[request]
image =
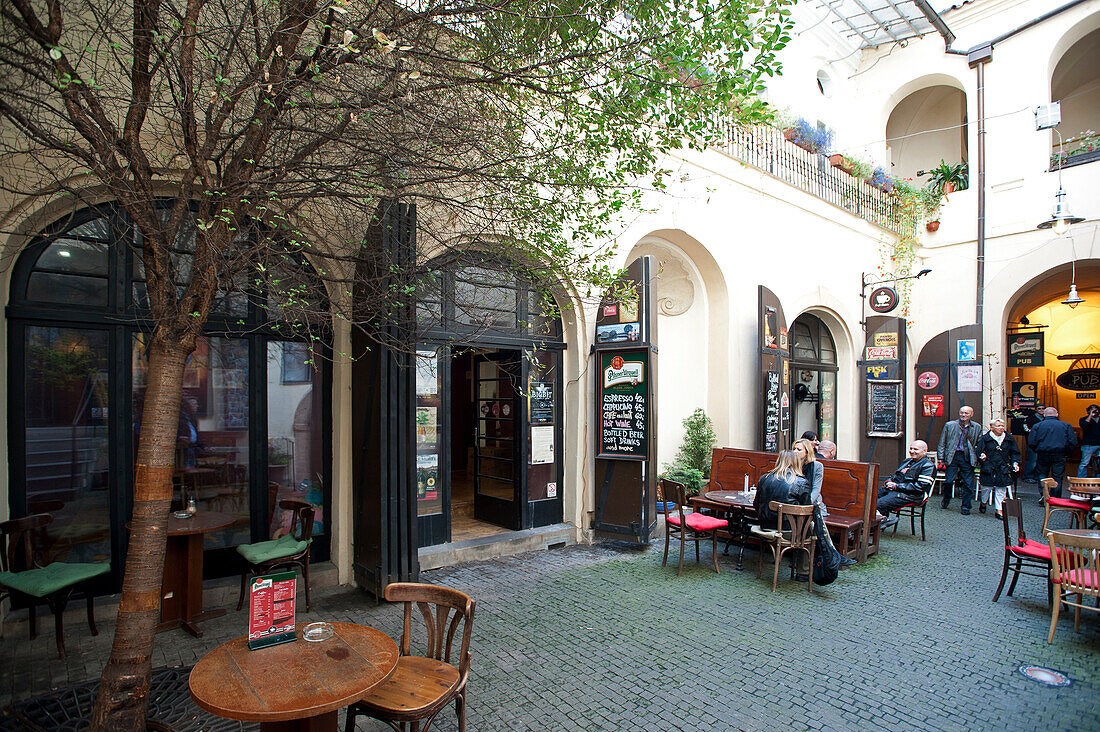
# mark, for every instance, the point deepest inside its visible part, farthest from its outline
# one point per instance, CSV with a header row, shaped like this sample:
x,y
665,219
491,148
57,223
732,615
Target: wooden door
x,y
775,380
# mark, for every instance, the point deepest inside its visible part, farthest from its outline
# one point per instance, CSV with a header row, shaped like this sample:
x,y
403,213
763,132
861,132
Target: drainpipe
x,y
977,59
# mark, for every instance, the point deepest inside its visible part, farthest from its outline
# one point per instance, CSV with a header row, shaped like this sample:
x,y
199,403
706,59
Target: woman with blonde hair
x,y
784,484
814,473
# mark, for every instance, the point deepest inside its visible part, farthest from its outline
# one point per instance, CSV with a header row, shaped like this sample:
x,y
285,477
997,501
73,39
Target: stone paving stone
x,y
604,638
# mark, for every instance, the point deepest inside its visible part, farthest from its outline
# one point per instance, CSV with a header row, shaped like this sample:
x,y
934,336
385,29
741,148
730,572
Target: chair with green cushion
x,y
291,550
52,583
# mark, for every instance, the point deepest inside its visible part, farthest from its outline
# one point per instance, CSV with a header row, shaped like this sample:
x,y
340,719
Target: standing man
x,y
1034,417
1090,438
1052,439
957,453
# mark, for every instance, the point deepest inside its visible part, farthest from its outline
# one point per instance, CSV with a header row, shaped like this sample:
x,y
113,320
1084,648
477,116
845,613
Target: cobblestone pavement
x,y
605,638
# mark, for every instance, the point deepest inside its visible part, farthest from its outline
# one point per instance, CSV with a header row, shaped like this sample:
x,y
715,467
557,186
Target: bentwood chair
x,y
913,510
53,583
799,537
1078,510
1075,569
687,527
1022,556
423,685
291,550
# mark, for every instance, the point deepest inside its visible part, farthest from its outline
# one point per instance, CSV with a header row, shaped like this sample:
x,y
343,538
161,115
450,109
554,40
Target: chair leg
x,y
1015,577
775,574
922,521
760,561
305,573
244,588
1050,593
714,549
33,613
349,724
460,711
680,570
1004,574
58,608
1054,618
665,560
913,521
1077,614
91,614
895,533
696,548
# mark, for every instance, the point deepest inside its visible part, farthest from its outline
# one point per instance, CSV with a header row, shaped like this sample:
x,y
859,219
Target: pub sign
x,y
1025,350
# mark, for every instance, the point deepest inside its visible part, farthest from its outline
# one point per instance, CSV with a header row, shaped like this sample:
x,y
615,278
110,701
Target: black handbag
x,y
826,558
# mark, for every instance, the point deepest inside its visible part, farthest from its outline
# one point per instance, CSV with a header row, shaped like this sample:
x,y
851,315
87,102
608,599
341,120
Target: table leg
x,y
181,599
320,723
743,529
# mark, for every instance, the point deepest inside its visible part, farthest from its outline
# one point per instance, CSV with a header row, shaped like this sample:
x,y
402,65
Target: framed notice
x,y
540,404
969,378
271,609
1025,350
622,400
884,409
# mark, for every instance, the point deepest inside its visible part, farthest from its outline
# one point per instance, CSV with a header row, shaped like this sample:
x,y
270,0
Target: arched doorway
x,y
926,127
488,403
1046,340
813,386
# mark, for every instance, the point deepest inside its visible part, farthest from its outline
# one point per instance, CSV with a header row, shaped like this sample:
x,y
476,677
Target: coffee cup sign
x,y
884,299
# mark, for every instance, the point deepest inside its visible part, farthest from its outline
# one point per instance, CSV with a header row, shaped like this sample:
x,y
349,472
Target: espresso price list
x,y
623,428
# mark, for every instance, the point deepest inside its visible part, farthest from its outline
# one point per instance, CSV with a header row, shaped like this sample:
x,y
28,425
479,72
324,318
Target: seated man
x,y
909,483
826,450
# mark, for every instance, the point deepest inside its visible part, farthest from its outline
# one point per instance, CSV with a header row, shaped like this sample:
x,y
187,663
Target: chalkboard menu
x,y
771,411
884,409
623,404
541,405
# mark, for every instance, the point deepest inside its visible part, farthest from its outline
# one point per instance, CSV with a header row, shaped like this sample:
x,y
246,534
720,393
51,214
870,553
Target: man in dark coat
x,y
957,454
1000,459
909,483
1052,439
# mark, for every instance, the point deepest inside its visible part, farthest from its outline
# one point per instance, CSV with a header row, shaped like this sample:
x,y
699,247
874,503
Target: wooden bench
x,y
849,490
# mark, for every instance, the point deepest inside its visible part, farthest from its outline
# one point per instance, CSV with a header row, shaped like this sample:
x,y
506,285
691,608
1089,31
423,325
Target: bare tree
x,y
239,125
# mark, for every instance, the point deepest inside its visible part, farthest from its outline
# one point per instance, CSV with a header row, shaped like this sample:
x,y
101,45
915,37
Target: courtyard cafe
x,y
425,438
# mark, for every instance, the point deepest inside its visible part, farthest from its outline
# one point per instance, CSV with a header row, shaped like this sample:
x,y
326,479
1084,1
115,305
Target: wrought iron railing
x,y
766,148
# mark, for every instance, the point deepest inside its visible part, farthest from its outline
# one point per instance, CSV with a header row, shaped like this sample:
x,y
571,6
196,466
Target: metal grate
x,y
871,23
68,710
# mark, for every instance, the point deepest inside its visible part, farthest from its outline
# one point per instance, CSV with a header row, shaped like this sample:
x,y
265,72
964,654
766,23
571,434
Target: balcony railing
x,y
766,148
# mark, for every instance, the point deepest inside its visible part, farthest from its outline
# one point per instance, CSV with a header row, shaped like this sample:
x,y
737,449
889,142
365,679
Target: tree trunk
x,y
124,686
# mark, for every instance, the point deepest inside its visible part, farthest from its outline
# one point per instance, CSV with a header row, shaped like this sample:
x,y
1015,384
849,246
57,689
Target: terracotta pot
x,y
932,226
837,161
948,188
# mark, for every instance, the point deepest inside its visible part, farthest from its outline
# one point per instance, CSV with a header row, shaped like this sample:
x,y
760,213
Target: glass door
x,y
496,443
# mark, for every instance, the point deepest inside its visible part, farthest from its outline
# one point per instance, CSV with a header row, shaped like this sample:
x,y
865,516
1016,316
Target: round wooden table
x,y
293,686
181,591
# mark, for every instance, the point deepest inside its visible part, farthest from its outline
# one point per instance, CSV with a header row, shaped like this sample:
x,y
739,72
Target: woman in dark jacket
x,y
1000,459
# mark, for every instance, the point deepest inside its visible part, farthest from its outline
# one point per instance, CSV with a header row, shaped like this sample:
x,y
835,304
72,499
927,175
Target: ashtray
x,y
181,514
317,632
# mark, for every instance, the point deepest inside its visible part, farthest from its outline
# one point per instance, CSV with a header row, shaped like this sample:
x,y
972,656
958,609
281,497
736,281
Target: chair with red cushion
x,y
687,527
1075,569
1078,510
1023,554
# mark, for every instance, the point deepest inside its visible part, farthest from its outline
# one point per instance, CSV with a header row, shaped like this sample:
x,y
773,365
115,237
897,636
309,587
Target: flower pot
x,y
932,226
837,161
948,188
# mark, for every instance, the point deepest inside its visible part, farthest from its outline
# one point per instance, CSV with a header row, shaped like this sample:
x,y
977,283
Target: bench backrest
x,y
848,488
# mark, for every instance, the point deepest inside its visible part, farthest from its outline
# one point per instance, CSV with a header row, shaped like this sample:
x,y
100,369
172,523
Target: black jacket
x,y
1052,435
997,466
773,488
1090,432
914,477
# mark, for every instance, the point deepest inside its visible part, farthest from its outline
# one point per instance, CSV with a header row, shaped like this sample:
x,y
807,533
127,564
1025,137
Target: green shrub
x,y
691,466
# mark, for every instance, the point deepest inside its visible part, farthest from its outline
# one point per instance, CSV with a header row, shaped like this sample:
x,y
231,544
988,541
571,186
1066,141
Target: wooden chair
x,y
1075,569
800,537
291,550
1078,510
422,685
913,510
687,527
1087,487
1025,553
53,583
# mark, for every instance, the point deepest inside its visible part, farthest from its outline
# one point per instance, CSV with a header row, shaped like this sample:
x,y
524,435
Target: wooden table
x,y
181,592
737,505
295,686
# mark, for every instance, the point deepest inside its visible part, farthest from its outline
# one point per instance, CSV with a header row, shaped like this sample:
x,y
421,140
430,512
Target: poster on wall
x,y
1025,350
623,421
427,477
542,445
966,349
540,409
933,405
771,327
1025,394
969,378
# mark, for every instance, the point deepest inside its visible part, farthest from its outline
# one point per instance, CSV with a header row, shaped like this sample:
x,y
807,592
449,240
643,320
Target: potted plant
x,y
949,177
809,137
930,204
859,168
879,179
691,465
841,162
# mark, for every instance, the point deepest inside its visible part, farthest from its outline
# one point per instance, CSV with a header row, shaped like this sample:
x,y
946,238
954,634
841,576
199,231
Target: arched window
x,y
813,378
78,331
